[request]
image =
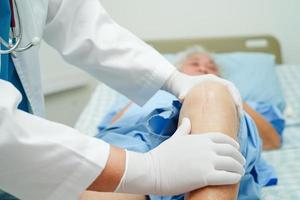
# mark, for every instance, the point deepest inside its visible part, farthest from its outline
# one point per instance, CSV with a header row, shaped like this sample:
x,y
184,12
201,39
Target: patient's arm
x,y
268,134
210,108
121,113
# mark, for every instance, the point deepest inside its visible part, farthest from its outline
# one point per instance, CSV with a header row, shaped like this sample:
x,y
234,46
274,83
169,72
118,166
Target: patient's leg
x,y
89,195
210,107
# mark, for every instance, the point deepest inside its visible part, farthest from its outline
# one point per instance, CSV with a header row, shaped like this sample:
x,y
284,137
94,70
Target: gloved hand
x,y
183,163
179,84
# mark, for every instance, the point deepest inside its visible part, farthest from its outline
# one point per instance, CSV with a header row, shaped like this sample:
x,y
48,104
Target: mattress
x,y
286,161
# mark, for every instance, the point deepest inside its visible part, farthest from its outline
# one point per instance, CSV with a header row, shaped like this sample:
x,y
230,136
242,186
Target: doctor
x,y
40,159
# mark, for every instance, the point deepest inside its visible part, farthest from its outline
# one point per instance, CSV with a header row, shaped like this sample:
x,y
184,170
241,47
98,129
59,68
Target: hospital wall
x,y
207,18
160,19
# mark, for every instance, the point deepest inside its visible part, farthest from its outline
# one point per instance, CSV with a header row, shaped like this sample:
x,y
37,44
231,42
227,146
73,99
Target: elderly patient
x,y
268,118
210,108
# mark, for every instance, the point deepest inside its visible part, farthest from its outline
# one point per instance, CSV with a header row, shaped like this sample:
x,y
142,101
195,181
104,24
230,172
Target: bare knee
x,y
211,108
210,92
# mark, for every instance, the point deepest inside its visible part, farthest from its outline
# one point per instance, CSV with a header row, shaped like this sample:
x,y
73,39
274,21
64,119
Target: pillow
x,y
171,57
252,73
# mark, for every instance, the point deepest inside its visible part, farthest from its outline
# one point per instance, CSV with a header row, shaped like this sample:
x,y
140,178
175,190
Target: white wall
x,y
152,19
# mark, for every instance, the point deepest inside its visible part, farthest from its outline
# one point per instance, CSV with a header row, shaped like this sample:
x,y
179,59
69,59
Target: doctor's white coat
x,y
42,160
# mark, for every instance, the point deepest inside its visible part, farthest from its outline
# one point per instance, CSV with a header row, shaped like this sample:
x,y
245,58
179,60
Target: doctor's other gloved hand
x,y
183,163
179,84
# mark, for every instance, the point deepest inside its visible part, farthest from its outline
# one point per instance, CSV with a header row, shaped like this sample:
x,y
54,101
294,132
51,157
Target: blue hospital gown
x,y
143,128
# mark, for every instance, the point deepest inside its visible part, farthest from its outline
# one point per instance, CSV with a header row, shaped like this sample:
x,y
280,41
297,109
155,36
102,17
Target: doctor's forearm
x,y
111,176
107,51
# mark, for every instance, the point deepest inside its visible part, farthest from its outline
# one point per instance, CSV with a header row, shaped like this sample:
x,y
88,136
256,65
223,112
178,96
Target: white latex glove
x,y
179,84
183,163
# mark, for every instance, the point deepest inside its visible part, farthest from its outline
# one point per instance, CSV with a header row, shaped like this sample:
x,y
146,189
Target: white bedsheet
x,y
286,162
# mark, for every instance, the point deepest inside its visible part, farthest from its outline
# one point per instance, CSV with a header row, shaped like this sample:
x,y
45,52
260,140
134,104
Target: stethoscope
x,y
13,45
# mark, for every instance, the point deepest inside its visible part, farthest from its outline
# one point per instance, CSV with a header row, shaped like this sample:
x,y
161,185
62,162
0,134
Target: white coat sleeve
x,y
87,37
40,159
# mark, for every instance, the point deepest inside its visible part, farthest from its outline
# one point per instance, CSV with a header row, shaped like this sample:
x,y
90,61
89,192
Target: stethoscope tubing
x,y
16,39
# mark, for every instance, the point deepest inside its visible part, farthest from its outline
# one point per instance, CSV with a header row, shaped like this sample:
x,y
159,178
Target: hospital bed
x,y
286,161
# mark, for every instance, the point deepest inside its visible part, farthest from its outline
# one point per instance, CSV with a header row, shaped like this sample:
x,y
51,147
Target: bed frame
x,y
260,43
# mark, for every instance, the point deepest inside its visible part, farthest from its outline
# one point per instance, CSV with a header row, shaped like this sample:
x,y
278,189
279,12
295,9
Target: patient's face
x,y
198,64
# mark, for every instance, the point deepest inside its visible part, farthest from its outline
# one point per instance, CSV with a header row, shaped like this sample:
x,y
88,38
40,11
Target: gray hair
x,y
182,56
